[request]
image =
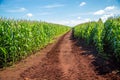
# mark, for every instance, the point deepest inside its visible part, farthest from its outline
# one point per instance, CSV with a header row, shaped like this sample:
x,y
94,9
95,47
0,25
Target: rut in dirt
x,y
65,61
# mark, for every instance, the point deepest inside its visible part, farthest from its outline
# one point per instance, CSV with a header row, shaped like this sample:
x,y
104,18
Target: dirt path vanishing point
x,y
62,60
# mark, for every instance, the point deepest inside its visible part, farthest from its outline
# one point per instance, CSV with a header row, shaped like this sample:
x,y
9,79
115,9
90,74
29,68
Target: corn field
x,y
19,38
104,36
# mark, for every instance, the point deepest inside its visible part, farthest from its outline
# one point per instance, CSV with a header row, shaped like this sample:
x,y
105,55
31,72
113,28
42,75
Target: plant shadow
x,y
102,66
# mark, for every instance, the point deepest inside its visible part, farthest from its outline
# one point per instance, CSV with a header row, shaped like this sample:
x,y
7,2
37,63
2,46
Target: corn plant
x,y
104,36
19,38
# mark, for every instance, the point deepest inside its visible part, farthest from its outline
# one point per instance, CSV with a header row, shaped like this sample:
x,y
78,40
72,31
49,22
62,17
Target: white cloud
x,y
82,3
72,22
109,11
106,10
105,17
78,17
110,8
100,12
76,22
87,19
53,6
17,10
29,14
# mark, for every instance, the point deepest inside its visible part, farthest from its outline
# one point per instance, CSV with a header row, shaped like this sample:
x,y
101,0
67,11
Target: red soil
x,y
66,59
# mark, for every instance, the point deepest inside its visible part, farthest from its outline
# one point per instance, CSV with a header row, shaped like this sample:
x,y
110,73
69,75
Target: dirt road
x,y
62,60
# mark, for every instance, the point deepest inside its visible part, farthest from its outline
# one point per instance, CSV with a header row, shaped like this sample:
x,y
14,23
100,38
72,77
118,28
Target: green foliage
x,y
112,37
91,32
105,36
18,38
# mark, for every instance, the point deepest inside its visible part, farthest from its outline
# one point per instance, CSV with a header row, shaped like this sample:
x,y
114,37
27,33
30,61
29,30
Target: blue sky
x,y
67,12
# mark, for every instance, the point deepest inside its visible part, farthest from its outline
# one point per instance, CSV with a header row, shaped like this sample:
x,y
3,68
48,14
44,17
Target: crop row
x,y
19,38
105,36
